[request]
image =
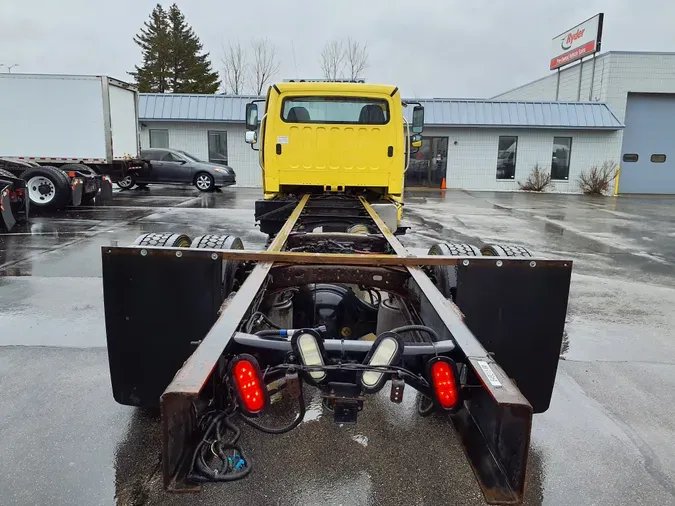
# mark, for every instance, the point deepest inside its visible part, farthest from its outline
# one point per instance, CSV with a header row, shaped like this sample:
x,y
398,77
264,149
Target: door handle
x,y
278,148
390,151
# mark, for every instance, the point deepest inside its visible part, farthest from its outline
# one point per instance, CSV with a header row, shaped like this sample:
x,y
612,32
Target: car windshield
x,y
189,156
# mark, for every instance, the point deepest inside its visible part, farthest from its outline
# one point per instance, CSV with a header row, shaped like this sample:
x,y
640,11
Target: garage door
x,y
648,153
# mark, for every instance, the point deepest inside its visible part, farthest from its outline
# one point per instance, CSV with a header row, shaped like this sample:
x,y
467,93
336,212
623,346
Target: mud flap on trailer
x,y
77,188
517,311
157,307
8,219
106,189
495,422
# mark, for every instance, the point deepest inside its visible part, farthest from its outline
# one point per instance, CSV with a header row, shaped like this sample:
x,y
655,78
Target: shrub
x,y
598,180
537,181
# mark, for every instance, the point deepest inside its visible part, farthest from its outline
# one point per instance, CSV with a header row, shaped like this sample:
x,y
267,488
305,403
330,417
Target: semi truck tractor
x,y
68,136
334,308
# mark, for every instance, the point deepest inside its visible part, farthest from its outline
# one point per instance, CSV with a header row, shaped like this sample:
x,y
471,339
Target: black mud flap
x,y
8,220
77,188
494,423
106,189
157,307
517,311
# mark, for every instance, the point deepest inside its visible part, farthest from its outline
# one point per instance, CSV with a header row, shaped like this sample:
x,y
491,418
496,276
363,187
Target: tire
x,y
204,182
48,187
230,267
167,239
78,167
446,275
126,183
87,198
504,250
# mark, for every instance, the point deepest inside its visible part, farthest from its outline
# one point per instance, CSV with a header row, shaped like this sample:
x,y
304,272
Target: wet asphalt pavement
x,y
608,437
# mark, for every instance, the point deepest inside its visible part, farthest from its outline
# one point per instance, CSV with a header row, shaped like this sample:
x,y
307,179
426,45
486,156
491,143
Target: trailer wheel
x,y
446,275
87,198
167,239
78,166
48,187
230,267
504,250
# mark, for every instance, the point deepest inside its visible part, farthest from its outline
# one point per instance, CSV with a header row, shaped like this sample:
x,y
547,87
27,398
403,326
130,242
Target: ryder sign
x,y
582,40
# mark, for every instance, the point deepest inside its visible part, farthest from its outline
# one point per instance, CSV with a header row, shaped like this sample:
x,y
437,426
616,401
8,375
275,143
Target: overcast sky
x,y
429,48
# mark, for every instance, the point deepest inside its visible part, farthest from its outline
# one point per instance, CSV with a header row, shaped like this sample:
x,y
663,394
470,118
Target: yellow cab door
x,y
334,140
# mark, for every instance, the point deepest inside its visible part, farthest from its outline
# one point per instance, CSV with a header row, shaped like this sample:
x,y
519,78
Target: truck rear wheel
x,y
86,197
230,267
446,275
163,239
504,250
48,187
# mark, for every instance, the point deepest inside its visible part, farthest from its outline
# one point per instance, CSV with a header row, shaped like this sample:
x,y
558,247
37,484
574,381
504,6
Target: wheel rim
x,y
41,190
125,183
203,182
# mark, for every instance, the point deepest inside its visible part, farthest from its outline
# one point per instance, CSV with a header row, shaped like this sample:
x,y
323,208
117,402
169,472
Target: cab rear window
x,y
335,110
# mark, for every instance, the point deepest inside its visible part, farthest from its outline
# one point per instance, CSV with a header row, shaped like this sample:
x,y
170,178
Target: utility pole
x,y
9,67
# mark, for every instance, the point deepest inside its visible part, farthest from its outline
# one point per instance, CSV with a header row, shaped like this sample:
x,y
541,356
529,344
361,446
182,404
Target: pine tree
x,y
191,71
153,75
171,56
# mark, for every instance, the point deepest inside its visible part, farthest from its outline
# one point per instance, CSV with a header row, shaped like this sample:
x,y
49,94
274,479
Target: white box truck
x,y
68,136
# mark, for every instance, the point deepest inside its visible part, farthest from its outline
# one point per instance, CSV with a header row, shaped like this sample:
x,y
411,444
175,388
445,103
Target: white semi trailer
x,y
68,136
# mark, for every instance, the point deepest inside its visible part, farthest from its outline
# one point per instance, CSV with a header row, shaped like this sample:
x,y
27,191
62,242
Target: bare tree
x,y
357,58
333,59
264,65
235,68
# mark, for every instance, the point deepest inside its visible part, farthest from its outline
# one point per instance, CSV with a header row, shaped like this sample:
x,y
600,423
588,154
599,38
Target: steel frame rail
x,y
494,428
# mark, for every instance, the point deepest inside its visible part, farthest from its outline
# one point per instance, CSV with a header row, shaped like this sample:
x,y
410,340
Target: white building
x,y
639,87
471,144
567,122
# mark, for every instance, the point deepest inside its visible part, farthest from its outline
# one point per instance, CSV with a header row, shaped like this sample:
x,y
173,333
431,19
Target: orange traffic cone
x,y
443,184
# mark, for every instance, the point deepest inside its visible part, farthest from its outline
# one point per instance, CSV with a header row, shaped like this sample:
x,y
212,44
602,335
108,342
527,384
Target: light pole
x,y
9,67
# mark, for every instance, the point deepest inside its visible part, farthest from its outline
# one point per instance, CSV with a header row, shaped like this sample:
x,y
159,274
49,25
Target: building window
x,y
159,139
658,158
560,163
506,157
630,157
218,147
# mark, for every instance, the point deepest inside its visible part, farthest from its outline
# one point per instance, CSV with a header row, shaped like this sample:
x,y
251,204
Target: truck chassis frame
x,y
505,325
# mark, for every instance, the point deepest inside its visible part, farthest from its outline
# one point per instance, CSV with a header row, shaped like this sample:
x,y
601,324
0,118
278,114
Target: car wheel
x,y
204,182
127,182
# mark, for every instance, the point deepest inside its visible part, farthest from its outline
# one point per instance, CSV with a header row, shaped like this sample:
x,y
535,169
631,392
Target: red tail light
x,y
19,192
249,384
444,380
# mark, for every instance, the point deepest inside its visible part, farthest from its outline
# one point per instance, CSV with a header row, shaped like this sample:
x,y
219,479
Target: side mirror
x,y
251,136
251,117
418,119
416,141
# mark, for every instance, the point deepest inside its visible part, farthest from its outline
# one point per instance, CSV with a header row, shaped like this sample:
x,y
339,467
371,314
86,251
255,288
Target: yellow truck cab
x,y
323,137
